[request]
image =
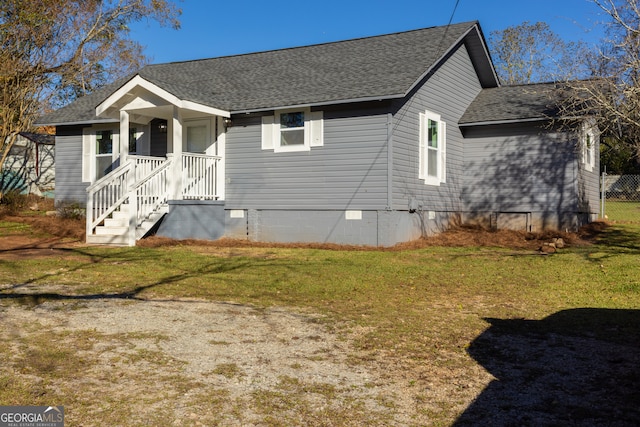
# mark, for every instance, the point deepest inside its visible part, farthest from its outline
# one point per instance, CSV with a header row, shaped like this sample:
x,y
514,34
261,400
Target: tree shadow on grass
x,y
575,367
613,237
30,293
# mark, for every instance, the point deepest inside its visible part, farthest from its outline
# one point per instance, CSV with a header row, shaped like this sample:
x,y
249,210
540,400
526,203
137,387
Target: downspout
x,y
384,225
389,162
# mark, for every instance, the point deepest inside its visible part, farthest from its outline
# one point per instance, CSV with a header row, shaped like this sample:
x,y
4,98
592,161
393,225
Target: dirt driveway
x,y
207,363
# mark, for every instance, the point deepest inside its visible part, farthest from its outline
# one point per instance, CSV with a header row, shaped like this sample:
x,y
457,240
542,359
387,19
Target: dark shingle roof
x,y
82,110
513,103
366,68
39,138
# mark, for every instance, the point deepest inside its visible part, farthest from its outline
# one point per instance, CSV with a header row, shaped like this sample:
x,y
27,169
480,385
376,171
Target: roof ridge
x,y
335,42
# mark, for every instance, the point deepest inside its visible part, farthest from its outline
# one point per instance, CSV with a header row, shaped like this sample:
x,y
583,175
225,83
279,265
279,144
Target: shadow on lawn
x,y
613,237
575,367
29,293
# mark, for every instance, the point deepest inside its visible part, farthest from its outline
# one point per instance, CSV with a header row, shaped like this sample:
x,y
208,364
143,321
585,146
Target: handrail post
x,y
89,213
133,204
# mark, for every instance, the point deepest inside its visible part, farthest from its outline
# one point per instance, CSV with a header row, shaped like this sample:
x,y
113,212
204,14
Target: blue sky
x,y
213,28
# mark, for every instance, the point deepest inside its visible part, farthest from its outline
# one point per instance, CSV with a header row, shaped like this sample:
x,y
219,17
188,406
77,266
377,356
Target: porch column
x,y
124,136
221,149
176,144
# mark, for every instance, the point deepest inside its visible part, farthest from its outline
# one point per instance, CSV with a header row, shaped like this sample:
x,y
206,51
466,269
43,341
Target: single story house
x,y
29,166
371,141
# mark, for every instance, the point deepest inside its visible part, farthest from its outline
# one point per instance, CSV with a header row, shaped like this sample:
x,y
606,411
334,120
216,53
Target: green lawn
x,y
623,211
423,304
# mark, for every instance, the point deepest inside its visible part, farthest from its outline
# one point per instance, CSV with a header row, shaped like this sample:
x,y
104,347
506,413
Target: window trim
x,y
589,131
423,149
313,131
89,150
277,131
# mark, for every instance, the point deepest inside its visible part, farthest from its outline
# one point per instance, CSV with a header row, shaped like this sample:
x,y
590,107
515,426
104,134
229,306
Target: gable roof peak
x,y
466,24
368,68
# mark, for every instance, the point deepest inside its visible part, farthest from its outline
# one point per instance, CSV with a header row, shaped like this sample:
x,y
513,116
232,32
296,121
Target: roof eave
x,y
451,48
76,122
505,122
319,104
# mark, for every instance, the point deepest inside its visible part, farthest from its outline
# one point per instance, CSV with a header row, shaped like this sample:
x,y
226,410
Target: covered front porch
x,y
168,149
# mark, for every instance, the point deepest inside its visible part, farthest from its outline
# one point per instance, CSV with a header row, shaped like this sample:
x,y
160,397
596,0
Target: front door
x,y
196,136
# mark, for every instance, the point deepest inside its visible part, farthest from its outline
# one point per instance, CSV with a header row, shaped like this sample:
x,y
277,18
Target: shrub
x,y
70,211
13,202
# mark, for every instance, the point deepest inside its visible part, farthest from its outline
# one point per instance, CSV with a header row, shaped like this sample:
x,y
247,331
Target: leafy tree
x,y
53,51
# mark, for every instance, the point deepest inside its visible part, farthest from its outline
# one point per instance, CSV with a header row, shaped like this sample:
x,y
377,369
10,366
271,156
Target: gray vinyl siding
x,y
521,168
589,187
348,172
448,93
68,162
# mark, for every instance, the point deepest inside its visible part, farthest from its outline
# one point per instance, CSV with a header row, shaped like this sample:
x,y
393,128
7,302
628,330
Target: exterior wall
x,y
522,177
29,168
157,140
68,165
589,188
369,228
448,92
348,172
193,219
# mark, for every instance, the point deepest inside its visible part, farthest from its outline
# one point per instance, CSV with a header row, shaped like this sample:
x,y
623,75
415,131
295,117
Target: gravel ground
x,y
228,348
210,363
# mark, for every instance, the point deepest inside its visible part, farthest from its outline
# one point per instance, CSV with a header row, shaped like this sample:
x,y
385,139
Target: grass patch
x,y
419,310
623,211
228,370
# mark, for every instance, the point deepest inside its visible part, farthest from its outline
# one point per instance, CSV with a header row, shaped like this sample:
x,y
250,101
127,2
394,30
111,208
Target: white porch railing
x,y
106,195
200,176
145,165
151,192
147,180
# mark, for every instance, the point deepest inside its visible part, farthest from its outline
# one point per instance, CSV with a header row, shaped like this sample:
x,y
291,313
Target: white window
x,y
432,163
292,130
99,152
104,152
588,145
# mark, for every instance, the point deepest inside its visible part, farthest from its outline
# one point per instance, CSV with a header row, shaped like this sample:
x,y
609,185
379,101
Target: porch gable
x,y
139,95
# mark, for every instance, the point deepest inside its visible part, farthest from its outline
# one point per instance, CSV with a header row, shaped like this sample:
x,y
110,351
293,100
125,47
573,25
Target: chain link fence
x,y
620,199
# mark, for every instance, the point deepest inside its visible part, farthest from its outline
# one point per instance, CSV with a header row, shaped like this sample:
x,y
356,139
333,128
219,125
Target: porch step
x,y
109,240
116,222
148,223
115,229
103,230
122,214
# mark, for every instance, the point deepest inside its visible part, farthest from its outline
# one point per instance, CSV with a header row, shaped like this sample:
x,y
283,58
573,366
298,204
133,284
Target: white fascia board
x,y
138,81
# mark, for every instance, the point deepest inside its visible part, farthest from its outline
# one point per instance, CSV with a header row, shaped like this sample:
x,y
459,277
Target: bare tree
x,y
613,95
530,53
53,51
